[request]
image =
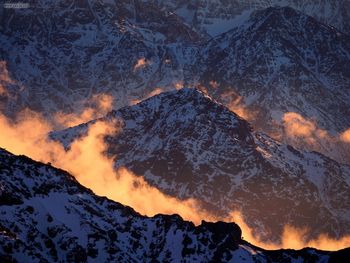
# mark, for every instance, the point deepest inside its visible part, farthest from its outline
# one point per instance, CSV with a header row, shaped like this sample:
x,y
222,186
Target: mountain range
x,y
239,105
190,146
275,61
281,61
213,17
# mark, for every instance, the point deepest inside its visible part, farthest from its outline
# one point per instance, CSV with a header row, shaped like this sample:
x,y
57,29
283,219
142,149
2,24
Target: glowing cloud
x,y
101,104
141,63
345,136
87,162
303,132
179,85
154,92
4,78
291,238
236,104
92,169
26,135
297,126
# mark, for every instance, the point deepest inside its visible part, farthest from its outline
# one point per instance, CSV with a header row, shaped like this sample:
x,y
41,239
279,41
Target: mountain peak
x,y
184,109
189,146
190,92
282,17
280,11
185,94
192,97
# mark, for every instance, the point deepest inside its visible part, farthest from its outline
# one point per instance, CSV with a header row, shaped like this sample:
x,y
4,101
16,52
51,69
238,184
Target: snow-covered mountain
x,y
47,216
276,60
55,55
189,145
214,17
59,53
283,61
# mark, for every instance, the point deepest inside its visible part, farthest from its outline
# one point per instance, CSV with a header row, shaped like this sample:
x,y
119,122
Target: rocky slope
x,y
59,53
282,61
274,61
46,216
189,145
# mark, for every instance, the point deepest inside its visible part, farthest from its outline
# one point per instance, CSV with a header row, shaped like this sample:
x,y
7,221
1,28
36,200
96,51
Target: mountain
x,y
213,17
47,216
190,146
283,61
276,60
121,48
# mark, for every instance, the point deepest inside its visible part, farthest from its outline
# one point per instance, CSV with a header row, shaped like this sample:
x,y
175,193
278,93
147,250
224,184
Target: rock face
x,y
189,145
47,216
277,60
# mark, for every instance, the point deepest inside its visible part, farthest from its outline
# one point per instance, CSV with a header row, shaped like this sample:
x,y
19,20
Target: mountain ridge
x,y
196,148
292,64
127,52
217,16
85,227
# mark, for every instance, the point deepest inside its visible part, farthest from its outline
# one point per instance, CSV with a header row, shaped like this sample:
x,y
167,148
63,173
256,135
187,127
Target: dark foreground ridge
x,y
47,216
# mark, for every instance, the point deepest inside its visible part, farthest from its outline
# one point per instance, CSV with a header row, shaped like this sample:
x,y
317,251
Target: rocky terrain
x,y
47,216
189,145
274,61
228,145
122,48
282,61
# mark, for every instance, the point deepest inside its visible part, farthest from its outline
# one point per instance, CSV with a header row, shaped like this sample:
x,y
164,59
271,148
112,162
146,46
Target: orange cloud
x,y
4,78
154,92
345,136
179,85
3,91
305,133
297,126
87,162
292,237
236,104
26,135
101,104
141,63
